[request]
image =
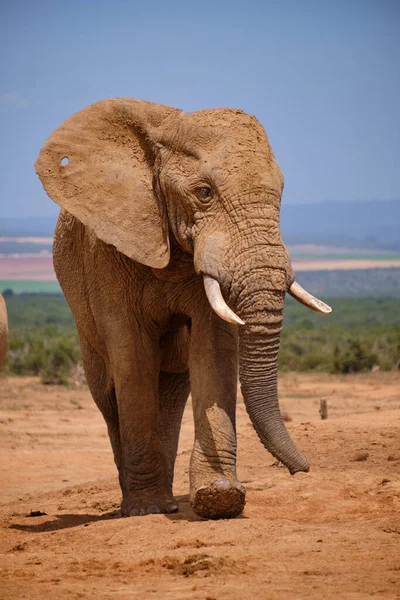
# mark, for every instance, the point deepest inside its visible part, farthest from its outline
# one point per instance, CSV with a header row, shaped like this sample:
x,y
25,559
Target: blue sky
x,y
322,76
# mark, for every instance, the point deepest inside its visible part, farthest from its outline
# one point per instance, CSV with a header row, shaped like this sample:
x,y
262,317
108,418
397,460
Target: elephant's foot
x,y
136,506
222,499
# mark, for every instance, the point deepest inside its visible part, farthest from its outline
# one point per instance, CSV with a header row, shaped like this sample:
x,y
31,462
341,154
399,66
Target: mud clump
x,y
360,457
36,513
202,565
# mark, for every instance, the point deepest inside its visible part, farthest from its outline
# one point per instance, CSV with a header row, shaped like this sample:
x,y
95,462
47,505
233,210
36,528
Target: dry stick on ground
x,y
323,409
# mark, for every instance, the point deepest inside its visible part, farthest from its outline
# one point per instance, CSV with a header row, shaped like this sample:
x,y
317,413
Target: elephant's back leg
x,y
174,385
173,394
102,389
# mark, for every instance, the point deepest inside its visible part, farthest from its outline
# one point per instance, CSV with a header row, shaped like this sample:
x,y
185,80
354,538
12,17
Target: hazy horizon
x,y
322,77
54,214
328,223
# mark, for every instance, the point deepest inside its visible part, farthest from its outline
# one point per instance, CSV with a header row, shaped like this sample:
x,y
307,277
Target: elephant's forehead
x,y
231,123
251,166
228,133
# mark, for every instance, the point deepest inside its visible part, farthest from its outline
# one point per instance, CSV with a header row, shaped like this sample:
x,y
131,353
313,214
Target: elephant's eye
x,y
204,193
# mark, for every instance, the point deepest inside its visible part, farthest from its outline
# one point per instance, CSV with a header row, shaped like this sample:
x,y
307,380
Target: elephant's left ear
x,y
98,165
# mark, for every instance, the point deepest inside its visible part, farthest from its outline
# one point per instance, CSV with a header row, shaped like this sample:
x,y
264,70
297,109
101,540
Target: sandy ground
x,y
40,268
332,533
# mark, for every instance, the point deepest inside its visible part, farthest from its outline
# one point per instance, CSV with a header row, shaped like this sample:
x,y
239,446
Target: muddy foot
x,y
221,499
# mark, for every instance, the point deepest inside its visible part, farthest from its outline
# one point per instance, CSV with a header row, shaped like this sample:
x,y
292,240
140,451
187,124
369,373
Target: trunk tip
x,y
299,469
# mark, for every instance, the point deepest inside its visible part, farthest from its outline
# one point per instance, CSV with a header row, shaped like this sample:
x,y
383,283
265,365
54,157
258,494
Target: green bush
x,y
358,335
50,352
43,339
354,357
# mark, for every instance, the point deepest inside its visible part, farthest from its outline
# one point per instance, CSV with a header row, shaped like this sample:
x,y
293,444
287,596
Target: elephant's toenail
x,y
224,484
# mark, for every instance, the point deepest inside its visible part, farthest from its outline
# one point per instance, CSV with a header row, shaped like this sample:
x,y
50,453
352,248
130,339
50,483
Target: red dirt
x,y
332,533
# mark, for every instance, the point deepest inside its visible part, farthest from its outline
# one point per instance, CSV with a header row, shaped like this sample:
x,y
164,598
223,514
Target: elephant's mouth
x,y
220,307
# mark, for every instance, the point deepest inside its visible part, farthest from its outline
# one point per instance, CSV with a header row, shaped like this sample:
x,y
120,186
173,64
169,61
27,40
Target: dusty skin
x,y
332,533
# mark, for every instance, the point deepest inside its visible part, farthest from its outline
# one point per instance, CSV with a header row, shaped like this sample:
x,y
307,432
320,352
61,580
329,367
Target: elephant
x,y
3,330
169,253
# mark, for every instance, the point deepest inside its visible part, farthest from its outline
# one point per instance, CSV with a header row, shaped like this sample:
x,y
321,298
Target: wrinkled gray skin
x,y
153,199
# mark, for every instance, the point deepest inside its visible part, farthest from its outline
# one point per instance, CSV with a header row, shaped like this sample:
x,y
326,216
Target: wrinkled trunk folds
x,y
246,285
260,304
258,377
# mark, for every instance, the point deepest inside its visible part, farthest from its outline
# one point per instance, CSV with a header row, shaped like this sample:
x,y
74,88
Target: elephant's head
x,y
137,173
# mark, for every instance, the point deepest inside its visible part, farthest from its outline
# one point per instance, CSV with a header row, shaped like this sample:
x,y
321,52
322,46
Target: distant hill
x,y
371,224
360,283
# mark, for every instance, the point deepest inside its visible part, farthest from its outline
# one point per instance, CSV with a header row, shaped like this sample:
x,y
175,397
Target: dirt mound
x,y
331,533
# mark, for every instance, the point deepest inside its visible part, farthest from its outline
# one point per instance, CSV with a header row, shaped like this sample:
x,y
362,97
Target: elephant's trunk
x,y
259,301
254,283
258,377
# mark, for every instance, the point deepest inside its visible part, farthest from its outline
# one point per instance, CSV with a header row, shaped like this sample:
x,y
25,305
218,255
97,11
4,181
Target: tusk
x,y
308,300
217,302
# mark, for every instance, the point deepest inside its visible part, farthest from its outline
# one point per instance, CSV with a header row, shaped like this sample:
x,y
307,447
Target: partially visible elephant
x,y
169,253
3,330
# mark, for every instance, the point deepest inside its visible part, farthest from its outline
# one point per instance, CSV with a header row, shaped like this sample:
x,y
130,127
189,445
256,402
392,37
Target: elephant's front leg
x,y
143,469
214,490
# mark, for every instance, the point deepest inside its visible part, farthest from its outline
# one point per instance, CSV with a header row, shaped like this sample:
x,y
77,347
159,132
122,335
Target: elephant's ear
x,y
99,166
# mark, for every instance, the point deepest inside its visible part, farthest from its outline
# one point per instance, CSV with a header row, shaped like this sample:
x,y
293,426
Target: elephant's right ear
x,y
99,166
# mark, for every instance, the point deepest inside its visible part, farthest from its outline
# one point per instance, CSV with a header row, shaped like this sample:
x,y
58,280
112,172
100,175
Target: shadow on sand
x,y
66,521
